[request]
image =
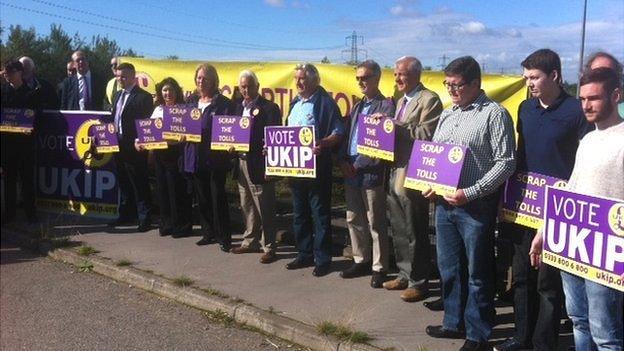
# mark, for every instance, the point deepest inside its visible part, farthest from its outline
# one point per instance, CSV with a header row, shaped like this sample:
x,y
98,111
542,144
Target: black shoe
x,y
378,279
144,226
438,331
120,222
205,241
164,231
297,264
180,234
510,344
321,271
225,247
435,305
471,345
357,270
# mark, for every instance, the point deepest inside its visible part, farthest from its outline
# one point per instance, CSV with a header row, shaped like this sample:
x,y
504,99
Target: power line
x,y
353,38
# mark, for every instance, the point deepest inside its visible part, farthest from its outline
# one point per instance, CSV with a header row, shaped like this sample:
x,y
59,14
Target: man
x,y
603,59
550,125
596,310
257,194
312,197
416,118
131,103
465,219
18,150
111,86
84,91
41,89
71,69
364,184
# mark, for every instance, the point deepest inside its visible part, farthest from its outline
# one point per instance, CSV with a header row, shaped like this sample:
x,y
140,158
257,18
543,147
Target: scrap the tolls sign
x,y
231,132
289,151
149,133
375,137
584,235
182,122
523,198
105,138
16,120
435,166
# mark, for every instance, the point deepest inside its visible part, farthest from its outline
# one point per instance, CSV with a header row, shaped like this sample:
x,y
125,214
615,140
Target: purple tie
x,y
402,109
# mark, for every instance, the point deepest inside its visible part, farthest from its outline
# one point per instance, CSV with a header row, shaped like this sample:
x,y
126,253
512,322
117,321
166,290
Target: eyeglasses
x,y
363,78
454,87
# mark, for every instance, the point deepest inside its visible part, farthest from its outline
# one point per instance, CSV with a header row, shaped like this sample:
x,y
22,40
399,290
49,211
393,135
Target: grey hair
x,y
372,65
413,64
310,70
249,74
27,62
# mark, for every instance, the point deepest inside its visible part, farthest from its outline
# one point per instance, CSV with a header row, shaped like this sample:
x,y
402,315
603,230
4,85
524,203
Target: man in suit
x,y
41,89
129,104
257,195
364,184
416,118
84,90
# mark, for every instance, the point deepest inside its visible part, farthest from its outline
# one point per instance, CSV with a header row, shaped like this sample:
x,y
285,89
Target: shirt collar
x,y
476,104
311,99
558,101
129,89
87,75
412,93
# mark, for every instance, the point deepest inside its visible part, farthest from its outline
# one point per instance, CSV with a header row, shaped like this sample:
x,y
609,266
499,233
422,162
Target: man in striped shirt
x,y
465,219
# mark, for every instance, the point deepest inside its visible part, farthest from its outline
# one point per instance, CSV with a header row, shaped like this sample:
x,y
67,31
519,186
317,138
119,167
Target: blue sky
x,y
498,33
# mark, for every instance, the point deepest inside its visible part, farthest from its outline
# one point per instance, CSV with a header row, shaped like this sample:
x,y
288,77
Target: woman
x,y
208,169
173,196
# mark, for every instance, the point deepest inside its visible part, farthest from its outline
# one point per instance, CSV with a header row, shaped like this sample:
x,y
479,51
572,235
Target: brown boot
x,y
397,284
268,257
414,294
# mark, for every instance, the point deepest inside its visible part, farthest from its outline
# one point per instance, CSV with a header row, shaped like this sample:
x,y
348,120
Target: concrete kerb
x,y
270,323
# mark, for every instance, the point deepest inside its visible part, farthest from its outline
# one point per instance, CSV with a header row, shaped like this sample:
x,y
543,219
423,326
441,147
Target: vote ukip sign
x,y
290,151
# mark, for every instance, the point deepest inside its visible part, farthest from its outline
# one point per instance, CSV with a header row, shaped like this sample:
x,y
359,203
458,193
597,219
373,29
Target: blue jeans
x,y
465,248
596,312
312,201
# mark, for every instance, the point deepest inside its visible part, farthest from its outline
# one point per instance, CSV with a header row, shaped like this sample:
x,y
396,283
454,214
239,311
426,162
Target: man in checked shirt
x,y
465,220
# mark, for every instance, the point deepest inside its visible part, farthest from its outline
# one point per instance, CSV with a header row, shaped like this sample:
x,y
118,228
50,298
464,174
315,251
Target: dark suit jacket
x,y
70,94
371,170
139,105
269,114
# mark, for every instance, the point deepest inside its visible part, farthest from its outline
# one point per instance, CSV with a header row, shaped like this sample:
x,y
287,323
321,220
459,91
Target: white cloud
x,y
472,28
274,3
397,10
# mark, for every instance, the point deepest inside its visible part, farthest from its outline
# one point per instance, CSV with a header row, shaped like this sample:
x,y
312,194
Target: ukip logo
x,y
616,218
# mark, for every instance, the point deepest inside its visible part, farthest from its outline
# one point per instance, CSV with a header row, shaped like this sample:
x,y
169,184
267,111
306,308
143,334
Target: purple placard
x,y
231,131
182,121
523,199
290,151
17,120
436,166
376,137
584,235
105,138
149,133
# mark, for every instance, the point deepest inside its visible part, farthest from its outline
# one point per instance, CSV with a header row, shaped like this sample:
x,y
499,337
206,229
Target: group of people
x,y
558,136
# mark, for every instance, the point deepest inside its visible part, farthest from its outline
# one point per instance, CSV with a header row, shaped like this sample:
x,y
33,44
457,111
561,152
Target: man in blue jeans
x,y
312,197
465,219
596,310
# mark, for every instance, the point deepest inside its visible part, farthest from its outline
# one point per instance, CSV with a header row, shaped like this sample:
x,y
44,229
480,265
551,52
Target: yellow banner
x,y
277,83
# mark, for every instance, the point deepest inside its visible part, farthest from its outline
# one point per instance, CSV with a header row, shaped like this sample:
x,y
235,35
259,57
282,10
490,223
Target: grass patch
x,y
183,281
220,316
123,263
342,332
86,250
215,292
85,266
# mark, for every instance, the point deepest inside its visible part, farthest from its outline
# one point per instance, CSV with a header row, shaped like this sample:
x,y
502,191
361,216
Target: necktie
x,y
119,111
83,89
402,109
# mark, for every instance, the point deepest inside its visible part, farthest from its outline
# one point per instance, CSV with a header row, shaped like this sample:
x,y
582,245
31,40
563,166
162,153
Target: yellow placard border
x,y
613,281
220,146
375,153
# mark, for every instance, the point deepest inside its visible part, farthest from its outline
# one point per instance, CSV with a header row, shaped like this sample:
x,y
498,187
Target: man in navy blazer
x,y
257,195
129,104
84,90
364,183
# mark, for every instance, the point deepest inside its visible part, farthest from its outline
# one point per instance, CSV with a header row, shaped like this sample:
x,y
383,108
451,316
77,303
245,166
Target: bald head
x,y
80,62
29,67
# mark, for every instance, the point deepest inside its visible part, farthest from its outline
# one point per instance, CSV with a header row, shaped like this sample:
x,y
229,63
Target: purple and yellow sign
x,y
523,199
17,120
584,235
70,177
290,151
376,137
436,166
231,131
149,133
182,121
105,138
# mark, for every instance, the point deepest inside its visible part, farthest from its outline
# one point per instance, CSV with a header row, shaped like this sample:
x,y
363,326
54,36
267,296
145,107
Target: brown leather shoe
x,y
414,294
242,250
396,284
268,257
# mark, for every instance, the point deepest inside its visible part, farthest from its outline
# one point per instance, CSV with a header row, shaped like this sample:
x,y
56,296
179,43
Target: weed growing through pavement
x,y
86,251
214,292
85,266
220,316
123,263
183,281
342,332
